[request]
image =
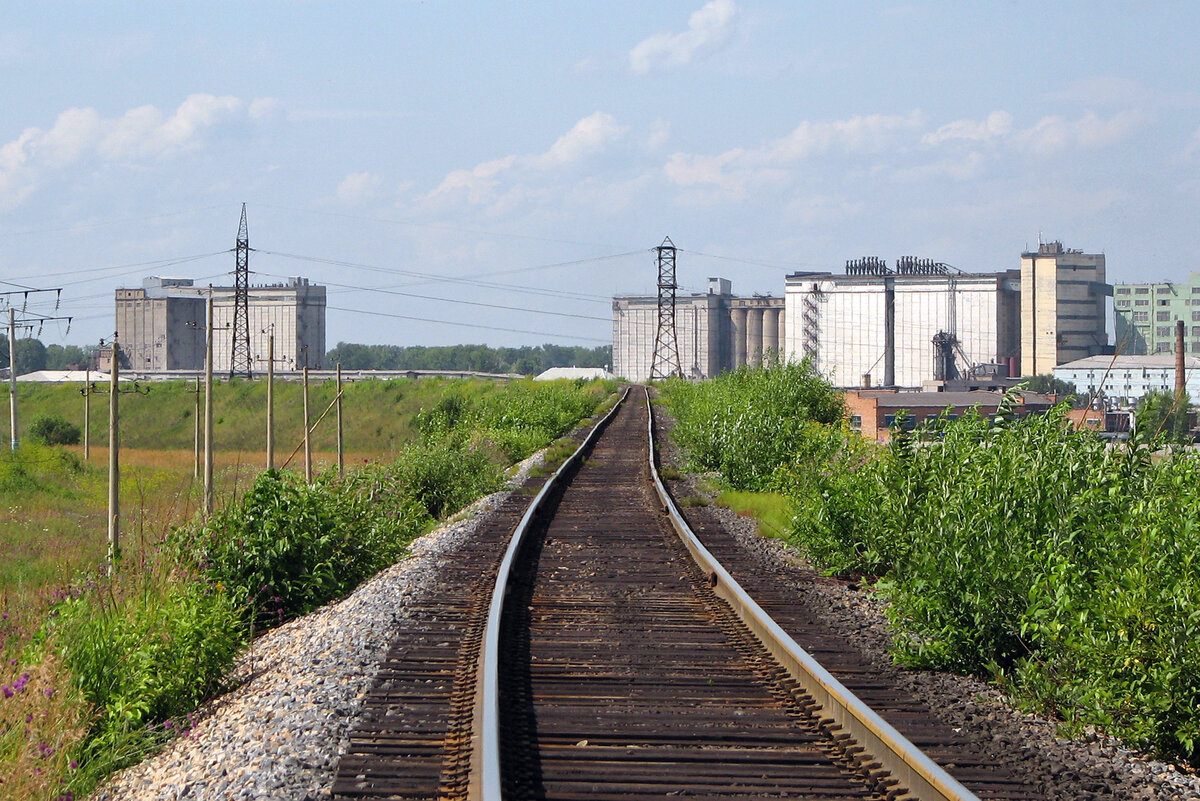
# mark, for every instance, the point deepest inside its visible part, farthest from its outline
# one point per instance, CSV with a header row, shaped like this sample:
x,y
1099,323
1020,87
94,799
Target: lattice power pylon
x,y
666,348
240,359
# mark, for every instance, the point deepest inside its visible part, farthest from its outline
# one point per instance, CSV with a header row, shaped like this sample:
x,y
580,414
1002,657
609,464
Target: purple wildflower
x,y
8,691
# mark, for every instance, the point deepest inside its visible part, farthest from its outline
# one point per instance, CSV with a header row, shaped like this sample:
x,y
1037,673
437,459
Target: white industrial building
x,y
1125,380
906,327
161,326
714,332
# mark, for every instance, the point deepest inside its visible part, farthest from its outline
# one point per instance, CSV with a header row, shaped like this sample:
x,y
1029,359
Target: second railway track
x,y
621,674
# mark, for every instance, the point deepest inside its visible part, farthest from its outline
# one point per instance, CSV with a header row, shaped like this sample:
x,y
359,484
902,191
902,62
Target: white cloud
x,y
588,136
708,29
486,182
997,124
823,209
1054,134
357,187
81,133
736,169
660,133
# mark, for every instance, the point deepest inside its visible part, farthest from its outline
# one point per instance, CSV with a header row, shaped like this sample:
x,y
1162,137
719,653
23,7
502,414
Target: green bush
x,y
143,659
289,548
52,430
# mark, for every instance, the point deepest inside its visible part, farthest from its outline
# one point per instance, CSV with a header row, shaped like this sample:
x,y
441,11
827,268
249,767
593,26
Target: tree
x,y
31,355
1047,384
1159,413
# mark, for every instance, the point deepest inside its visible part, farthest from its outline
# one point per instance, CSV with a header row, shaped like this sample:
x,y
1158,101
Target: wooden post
x,y
308,478
271,400
208,414
114,471
12,376
341,456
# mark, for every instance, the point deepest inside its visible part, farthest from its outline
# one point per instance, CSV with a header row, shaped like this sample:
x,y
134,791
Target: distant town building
x,y
1145,315
716,331
1125,380
906,326
161,326
1062,307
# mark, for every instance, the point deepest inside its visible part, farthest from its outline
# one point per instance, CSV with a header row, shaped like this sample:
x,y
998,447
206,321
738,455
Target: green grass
x,y
772,510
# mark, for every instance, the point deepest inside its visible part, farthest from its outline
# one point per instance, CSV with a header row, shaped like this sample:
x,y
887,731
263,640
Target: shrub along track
x,y
623,675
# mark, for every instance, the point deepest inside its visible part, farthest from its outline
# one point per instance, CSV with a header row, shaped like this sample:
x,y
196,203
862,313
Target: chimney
x,y
1180,376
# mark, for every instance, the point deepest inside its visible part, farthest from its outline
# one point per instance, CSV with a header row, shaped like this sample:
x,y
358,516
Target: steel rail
x,y
921,776
484,783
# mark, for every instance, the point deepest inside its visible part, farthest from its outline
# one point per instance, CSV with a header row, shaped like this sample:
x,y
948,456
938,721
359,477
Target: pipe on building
x,y
754,337
889,332
737,320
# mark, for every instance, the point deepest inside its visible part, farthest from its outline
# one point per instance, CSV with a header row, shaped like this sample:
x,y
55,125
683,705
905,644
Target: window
x,y
1196,317
1196,330
1122,303
1123,290
1141,303
889,420
1164,303
1164,331
1163,347
1142,290
1196,347
856,422
1164,290
1141,317
1196,290
1164,317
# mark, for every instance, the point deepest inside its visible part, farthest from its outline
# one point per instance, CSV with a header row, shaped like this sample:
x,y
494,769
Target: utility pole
x,y
340,452
114,472
208,414
87,413
271,399
239,361
308,477
12,375
27,320
666,350
196,433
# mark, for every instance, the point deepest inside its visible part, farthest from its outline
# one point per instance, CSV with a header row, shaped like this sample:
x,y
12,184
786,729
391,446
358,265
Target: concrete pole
x,y
271,401
12,376
340,451
114,464
308,478
87,413
754,337
196,433
208,414
737,318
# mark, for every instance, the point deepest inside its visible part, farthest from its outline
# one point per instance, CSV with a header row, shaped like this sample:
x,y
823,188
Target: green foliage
x,y
749,423
49,429
31,355
1160,417
288,547
144,657
443,478
1047,384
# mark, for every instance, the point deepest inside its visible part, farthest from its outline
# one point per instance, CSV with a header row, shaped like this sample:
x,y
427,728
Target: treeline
x,y
480,358
32,355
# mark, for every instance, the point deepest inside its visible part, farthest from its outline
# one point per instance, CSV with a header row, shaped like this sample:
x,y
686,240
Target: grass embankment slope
x,y
98,672
1022,550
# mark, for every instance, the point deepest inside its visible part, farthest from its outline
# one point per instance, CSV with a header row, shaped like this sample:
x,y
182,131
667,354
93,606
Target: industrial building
x,y
875,414
715,332
1125,380
916,325
161,326
1063,307
1145,316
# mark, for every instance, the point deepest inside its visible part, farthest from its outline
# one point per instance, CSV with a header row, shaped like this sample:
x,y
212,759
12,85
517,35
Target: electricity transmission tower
x,y
666,348
239,361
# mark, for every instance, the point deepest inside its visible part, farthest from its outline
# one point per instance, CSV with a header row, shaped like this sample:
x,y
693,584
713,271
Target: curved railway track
x,y
594,649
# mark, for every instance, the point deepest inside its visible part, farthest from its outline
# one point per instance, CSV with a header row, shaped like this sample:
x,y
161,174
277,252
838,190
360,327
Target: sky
x,y
494,172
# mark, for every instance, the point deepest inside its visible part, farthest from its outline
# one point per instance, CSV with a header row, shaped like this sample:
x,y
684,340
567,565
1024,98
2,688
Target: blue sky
x,y
535,153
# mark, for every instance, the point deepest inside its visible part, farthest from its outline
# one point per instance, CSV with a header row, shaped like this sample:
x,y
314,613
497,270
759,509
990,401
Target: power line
x,y
555,335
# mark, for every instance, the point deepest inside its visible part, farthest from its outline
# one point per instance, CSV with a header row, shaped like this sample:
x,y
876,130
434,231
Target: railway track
x,y
600,652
